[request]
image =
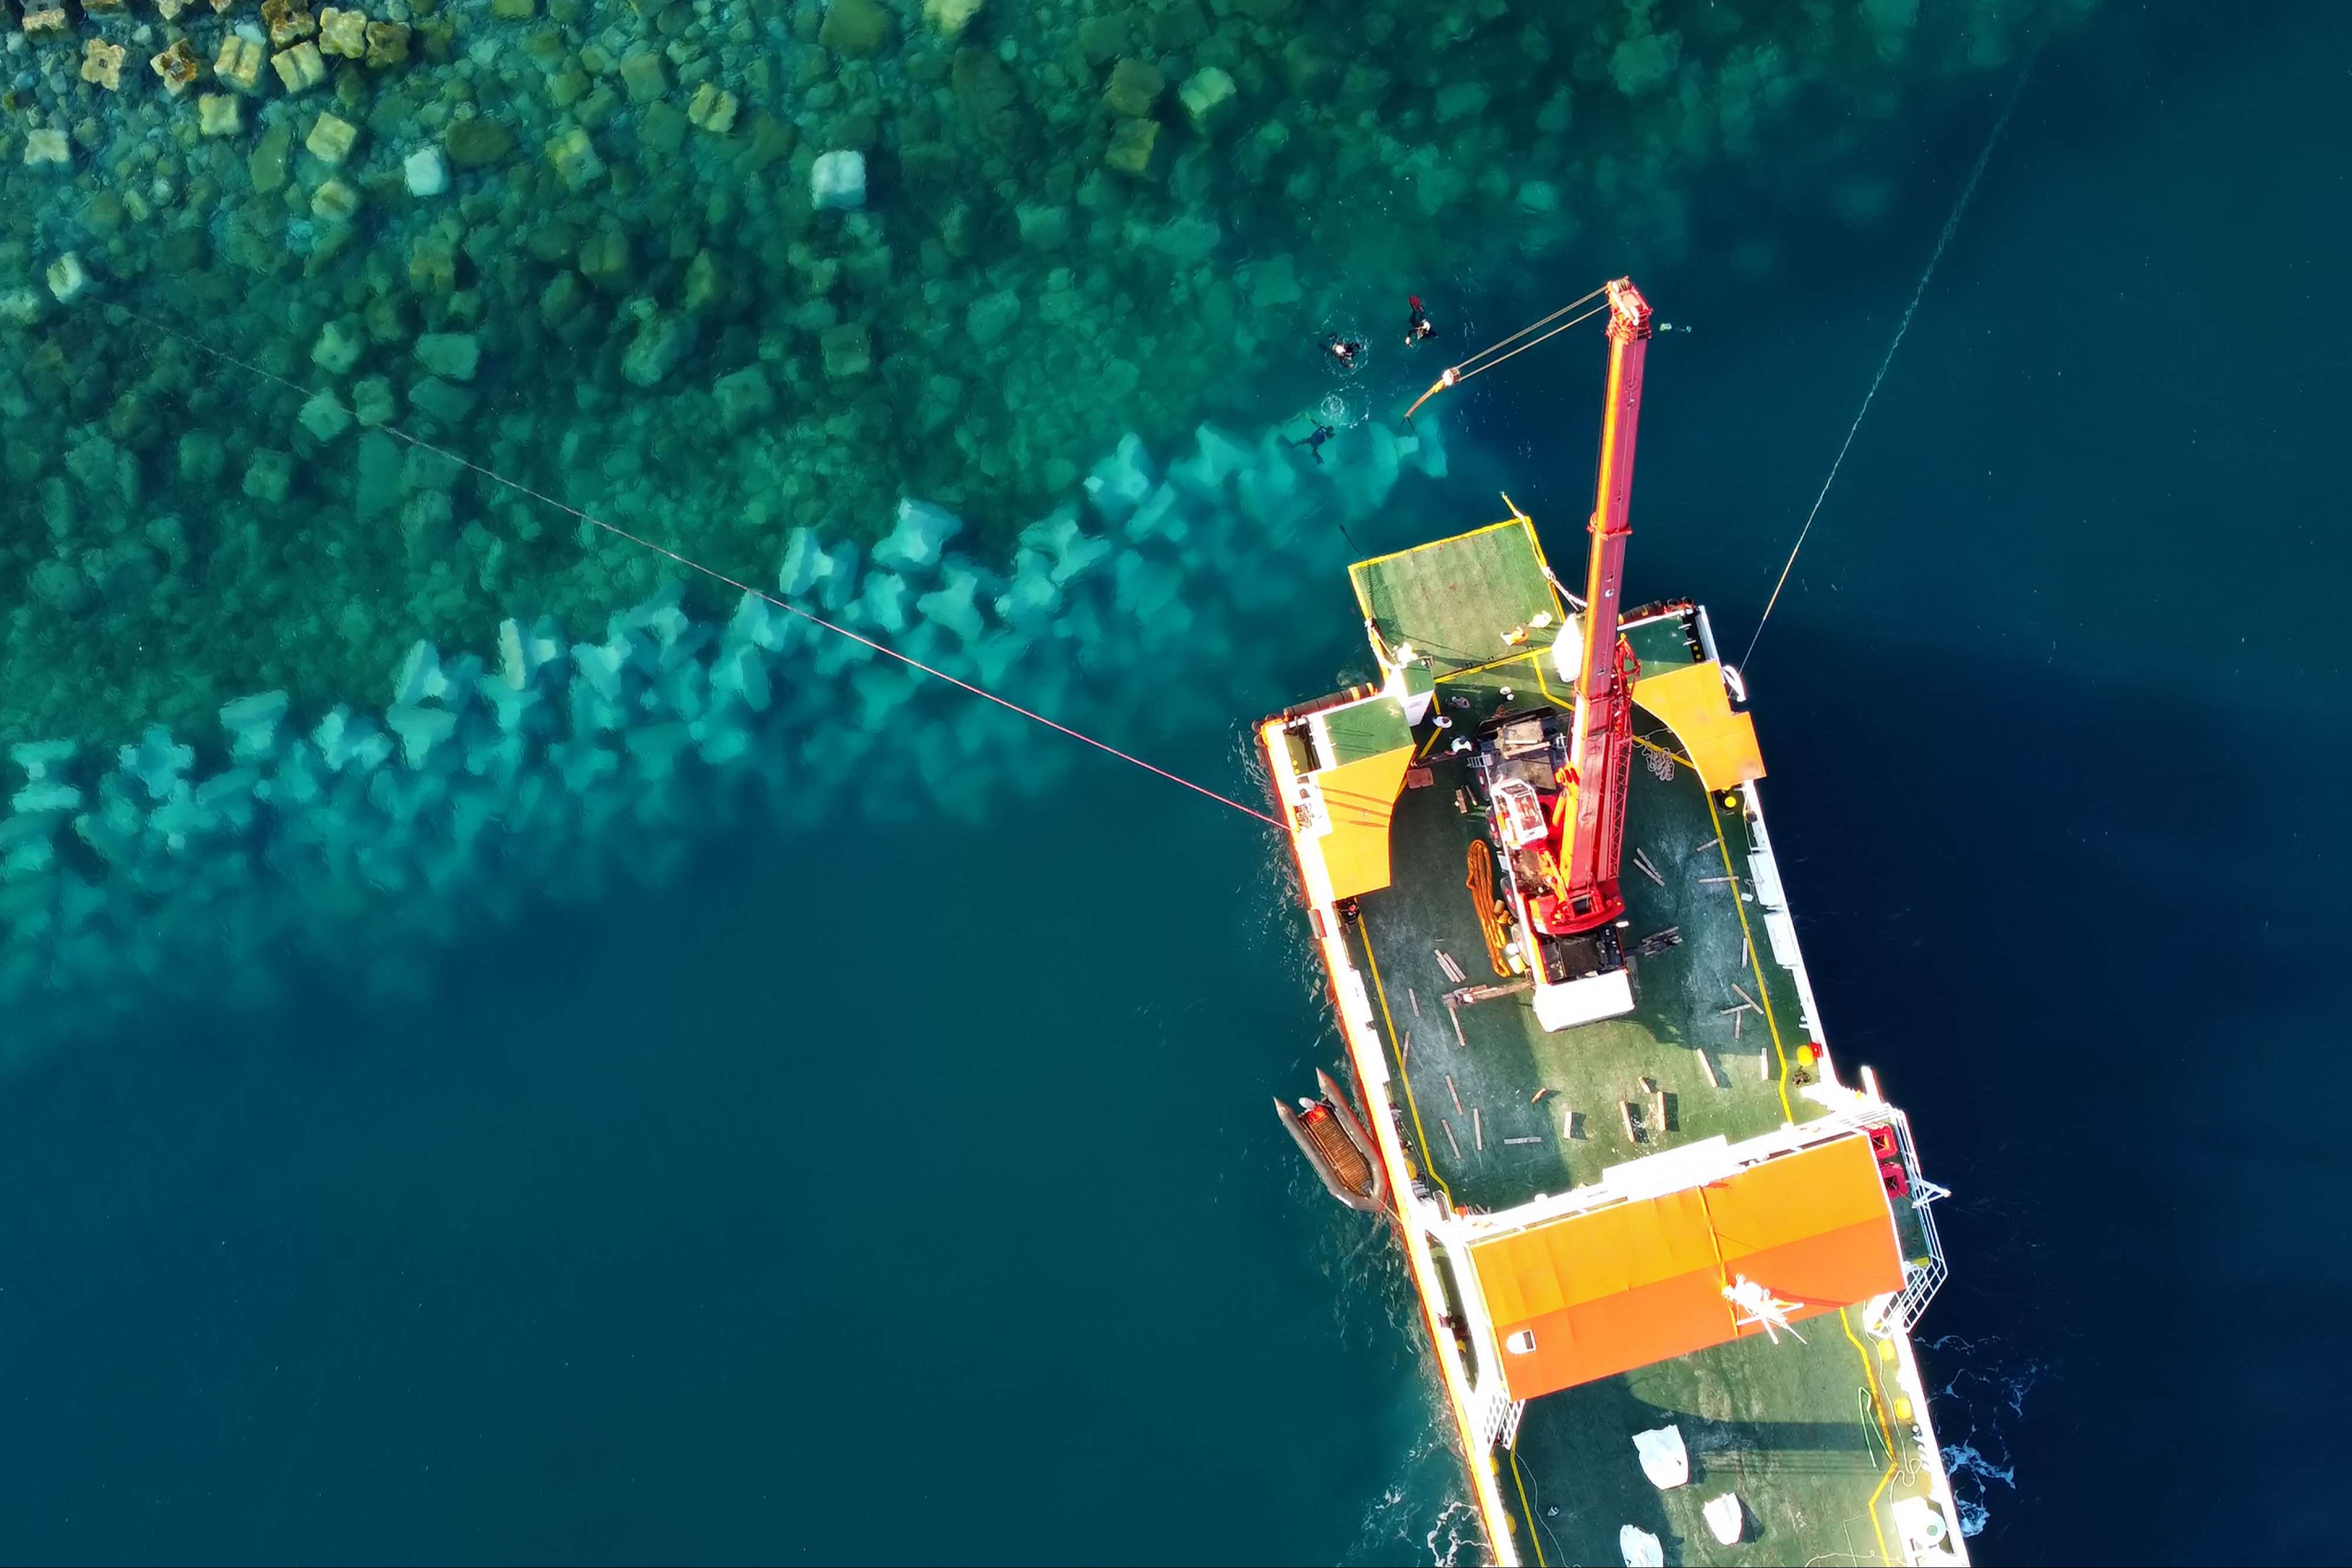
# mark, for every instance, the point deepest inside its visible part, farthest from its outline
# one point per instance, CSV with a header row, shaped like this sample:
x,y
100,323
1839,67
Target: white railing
x,y
1494,1412
1924,1277
1511,1423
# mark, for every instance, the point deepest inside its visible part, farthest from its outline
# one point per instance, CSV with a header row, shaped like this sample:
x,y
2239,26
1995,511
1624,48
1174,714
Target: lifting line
x,y
1951,225
1487,358
715,575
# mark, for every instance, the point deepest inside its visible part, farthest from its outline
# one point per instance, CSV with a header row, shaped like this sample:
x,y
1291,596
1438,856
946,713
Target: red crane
x,y
1589,835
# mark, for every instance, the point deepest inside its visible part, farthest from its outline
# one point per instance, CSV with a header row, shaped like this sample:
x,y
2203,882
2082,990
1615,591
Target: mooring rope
x,y
1951,227
715,575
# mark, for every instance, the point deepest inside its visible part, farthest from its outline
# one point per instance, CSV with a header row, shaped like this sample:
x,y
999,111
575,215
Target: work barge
x,y
1669,1257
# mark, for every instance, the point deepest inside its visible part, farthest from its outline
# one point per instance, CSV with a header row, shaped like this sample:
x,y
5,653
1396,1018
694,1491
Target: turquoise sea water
x,y
869,1161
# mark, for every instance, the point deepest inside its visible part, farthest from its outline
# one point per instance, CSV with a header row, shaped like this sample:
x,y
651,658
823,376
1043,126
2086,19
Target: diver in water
x,y
1314,444
1343,349
1420,328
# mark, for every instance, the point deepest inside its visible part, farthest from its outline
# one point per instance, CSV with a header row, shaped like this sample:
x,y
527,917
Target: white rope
x,y
1951,227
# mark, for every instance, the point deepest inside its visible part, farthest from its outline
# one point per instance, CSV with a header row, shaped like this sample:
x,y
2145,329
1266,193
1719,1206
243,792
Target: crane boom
x,y
1601,749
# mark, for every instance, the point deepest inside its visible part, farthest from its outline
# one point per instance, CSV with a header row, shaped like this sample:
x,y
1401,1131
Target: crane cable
x,y
1455,375
715,575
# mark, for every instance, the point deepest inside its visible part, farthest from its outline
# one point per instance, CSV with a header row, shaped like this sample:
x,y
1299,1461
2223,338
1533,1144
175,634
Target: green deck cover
x,y
1455,600
1365,729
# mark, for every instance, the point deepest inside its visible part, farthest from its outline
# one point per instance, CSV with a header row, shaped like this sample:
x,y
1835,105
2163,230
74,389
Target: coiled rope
x,y
715,575
1494,919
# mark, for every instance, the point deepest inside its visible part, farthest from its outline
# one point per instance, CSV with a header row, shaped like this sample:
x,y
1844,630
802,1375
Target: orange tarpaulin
x,y
1722,743
1607,1291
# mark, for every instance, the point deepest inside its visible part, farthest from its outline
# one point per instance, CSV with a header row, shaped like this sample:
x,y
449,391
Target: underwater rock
x,y
643,76
157,761
883,602
742,675
426,172
101,64
1061,540
251,724
371,400
1134,87
574,158
419,678
744,397
1131,145
450,353
331,140
57,584
952,607
45,146
1043,226
811,569
387,44
300,67
1207,97
69,280
217,114
1428,446
478,143
1273,282
853,27
1217,457
992,316
837,179
340,344
948,18
1160,516
1117,483
269,477
1187,239
324,416
663,339
42,800
847,350
1461,100
420,729
436,400
519,654
42,759
657,747
922,530
239,62
335,202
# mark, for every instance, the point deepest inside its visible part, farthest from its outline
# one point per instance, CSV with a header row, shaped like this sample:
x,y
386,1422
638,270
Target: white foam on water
x,y
1987,1394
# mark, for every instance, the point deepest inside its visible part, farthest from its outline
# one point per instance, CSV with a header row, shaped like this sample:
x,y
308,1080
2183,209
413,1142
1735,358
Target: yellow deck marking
x,y
1380,991
1535,654
1535,1531
1878,1406
1755,959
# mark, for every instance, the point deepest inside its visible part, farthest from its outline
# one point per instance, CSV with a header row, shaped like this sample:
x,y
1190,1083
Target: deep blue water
x,y
906,1193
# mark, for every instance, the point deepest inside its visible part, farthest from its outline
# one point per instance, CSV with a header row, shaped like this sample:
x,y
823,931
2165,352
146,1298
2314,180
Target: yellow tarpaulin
x,y
1721,743
1360,797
